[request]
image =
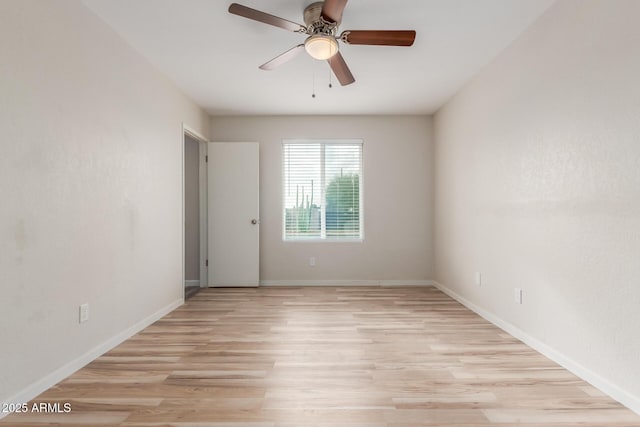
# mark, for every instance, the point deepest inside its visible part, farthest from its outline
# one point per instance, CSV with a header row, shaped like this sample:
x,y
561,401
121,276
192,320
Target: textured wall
x,y
538,187
397,197
90,187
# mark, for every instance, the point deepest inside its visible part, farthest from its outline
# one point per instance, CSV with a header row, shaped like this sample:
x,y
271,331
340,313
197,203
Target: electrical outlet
x,y
84,312
478,278
517,295
312,261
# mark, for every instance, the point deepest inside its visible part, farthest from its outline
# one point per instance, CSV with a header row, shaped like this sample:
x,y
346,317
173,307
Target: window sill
x,y
323,240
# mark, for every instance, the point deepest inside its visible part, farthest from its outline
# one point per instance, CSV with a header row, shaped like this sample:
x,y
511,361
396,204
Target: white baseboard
x,y
194,283
624,397
35,389
346,283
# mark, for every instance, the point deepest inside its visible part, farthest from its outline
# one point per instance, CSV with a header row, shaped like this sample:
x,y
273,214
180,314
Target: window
x,y
322,190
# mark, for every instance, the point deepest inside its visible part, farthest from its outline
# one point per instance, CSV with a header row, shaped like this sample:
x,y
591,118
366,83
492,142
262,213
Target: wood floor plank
x,y
320,357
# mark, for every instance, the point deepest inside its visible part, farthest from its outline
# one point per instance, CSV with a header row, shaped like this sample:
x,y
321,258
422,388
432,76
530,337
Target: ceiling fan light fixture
x,y
321,46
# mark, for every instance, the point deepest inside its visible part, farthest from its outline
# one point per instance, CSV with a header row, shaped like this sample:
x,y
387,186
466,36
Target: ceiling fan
x,y
322,20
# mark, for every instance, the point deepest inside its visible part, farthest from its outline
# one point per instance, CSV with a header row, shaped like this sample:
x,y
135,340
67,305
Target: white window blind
x,y
322,190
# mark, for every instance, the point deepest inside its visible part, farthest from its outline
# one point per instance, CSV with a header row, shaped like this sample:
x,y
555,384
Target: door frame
x,y
202,174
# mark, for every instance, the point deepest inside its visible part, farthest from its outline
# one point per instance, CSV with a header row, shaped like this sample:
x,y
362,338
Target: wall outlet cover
x,y
517,295
84,312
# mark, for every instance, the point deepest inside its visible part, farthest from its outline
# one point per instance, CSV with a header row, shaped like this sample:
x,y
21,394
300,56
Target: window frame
x,y
323,238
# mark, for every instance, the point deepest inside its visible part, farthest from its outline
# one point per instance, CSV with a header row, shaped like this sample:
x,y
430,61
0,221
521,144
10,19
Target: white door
x,y
234,222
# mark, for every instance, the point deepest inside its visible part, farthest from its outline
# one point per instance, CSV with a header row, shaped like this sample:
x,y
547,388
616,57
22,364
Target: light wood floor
x,y
338,357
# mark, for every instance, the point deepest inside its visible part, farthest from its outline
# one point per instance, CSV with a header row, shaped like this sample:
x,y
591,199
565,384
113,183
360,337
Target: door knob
x,y
254,221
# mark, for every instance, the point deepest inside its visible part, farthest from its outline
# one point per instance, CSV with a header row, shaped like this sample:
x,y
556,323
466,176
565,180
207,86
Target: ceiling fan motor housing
x,y
314,22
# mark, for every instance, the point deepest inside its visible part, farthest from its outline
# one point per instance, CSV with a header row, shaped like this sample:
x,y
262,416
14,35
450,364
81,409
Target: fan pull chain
x,y
330,77
313,73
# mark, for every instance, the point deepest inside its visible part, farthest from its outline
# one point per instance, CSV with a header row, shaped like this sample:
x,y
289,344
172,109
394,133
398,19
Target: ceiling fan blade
x,y
281,59
379,38
256,15
340,69
332,10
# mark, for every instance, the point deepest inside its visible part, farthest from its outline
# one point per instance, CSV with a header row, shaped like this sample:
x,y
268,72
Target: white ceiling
x,y
213,56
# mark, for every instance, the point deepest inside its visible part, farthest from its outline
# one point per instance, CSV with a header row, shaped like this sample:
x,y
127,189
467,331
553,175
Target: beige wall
x,y
191,209
397,198
538,187
91,190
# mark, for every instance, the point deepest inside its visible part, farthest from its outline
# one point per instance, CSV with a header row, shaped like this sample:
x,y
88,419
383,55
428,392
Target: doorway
x,y
220,213
194,213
